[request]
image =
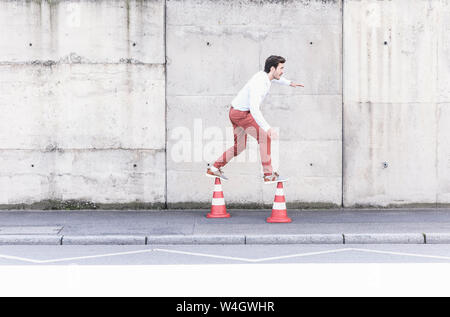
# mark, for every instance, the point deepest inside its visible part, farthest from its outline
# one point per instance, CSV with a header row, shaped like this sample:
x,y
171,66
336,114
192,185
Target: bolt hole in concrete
x,y
134,165
32,165
134,44
385,43
207,43
310,164
310,43
385,164
31,44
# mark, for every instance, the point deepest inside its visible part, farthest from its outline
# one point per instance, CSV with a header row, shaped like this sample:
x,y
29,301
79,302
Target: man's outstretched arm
x,y
286,82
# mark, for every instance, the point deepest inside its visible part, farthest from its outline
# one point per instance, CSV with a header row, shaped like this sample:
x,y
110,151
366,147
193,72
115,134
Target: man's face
x,y
278,71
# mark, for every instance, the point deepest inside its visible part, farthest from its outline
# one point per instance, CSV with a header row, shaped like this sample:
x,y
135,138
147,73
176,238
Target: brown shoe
x,y
274,178
219,173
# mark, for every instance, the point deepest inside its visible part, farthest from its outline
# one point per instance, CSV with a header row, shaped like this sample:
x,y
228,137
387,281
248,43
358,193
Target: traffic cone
x,y
279,212
218,209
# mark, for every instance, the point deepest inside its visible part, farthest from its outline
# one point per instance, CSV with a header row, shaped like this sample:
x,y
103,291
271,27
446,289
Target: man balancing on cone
x,y
248,119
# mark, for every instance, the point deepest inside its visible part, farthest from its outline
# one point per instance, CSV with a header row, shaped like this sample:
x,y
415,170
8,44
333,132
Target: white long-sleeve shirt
x,y
253,93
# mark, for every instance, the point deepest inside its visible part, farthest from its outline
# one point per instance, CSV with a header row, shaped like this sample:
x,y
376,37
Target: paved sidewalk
x,y
331,226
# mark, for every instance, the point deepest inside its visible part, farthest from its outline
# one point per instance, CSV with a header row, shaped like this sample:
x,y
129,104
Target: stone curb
x,y
104,240
384,238
30,240
346,238
295,239
437,238
196,239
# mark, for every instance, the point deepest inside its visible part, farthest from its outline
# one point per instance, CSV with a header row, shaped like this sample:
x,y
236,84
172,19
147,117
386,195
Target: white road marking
x,y
205,255
10,257
252,260
74,258
303,254
98,256
403,254
170,251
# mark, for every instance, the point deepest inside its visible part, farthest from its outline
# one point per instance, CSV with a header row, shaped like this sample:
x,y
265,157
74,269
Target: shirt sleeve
x,y
282,81
255,102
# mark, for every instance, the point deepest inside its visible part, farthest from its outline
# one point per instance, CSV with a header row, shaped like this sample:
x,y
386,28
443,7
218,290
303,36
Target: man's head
x,y
275,66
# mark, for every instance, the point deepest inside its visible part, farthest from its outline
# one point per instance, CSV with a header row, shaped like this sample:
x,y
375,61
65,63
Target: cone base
x,y
279,216
278,220
211,215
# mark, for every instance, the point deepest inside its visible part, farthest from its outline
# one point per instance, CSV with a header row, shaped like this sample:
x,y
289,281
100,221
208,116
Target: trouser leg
x,y
264,142
240,142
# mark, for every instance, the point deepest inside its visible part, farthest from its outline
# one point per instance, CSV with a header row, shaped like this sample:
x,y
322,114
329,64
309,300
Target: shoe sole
x,y
277,181
215,176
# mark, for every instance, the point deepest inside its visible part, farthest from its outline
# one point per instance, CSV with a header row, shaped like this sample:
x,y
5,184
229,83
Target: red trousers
x,y
243,124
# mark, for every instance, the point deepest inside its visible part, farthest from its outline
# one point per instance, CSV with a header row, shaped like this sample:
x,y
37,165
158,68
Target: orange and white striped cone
x,y
279,212
218,208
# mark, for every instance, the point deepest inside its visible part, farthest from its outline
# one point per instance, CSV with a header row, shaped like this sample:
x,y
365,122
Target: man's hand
x,y
296,85
272,134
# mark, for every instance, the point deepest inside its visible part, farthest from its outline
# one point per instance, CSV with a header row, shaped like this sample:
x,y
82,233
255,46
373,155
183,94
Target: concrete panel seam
x,y
342,105
256,25
30,240
165,105
51,63
233,95
438,238
96,149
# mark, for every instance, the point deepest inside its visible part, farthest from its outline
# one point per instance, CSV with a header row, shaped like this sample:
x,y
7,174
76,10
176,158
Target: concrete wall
x,y
82,102
213,48
120,103
396,102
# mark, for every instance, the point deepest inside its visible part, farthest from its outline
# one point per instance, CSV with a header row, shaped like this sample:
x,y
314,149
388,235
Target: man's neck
x,y
270,76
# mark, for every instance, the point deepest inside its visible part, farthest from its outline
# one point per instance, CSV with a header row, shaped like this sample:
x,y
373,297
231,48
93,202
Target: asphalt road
x,y
225,270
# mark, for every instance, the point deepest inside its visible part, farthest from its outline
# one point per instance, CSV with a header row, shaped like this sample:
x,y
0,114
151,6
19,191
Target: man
x,y
248,119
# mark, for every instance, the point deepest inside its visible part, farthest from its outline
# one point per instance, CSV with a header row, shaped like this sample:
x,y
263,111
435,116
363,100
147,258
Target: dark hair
x,y
273,60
